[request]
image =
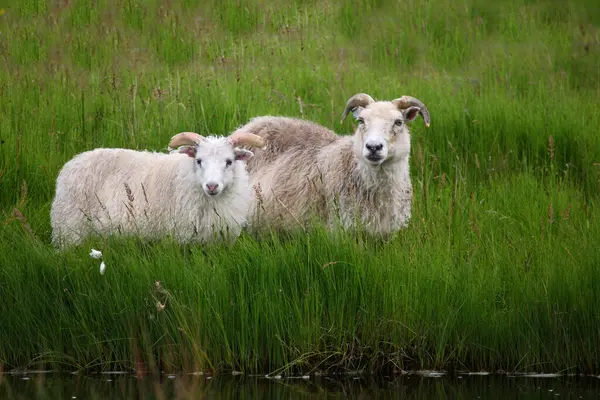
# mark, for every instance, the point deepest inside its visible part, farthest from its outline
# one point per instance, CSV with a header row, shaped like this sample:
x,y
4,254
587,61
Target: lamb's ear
x,y
357,111
411,113
242,154
189,150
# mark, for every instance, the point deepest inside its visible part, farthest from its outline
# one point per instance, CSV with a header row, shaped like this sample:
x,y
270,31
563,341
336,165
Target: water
x,y
125,386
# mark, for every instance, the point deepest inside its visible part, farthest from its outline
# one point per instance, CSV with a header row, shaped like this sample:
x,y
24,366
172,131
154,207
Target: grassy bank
x,y
498,270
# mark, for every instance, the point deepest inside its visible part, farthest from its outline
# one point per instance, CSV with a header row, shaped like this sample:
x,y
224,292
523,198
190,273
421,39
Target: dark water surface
x,y
125,386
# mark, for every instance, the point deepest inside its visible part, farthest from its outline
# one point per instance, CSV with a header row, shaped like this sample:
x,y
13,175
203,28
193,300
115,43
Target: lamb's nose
x,y
374,147
212,186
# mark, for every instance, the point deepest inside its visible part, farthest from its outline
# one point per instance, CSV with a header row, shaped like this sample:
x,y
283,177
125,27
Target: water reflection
x,y
107,386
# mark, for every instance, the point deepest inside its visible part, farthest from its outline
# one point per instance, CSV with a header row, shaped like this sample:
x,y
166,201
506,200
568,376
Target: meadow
x,y
499,269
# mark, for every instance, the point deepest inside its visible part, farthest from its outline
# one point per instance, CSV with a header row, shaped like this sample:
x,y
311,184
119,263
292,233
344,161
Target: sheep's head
x,y
217,160
382,133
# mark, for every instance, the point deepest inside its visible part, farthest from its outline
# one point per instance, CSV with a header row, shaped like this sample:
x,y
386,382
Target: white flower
x,y
96,254
102,268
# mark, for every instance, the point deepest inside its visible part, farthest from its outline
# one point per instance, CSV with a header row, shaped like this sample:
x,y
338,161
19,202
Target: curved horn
x,y
184,138
246,138
408,101
358,100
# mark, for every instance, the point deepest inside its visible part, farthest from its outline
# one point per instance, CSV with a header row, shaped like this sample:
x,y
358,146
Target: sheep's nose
x,y
212,186
374,147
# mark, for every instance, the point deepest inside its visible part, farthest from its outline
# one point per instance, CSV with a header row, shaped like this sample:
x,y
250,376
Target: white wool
x,y
308,171
150,195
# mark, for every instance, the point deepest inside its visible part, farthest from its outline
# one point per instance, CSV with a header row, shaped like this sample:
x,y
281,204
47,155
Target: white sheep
x,y
200,193
307,171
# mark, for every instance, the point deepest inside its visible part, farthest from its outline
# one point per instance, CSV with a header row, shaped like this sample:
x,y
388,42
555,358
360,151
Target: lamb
x,y
307,171
199,193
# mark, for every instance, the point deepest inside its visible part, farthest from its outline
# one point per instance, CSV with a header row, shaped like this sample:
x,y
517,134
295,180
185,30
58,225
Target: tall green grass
x,y
498,269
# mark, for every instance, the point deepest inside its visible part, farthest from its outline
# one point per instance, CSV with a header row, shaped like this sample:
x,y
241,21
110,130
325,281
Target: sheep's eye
x,y
360,121
228,162
199,162
398,122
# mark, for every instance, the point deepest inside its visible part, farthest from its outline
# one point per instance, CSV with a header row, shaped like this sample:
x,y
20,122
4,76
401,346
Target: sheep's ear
x,y
243,155
411,113
189,150
356,111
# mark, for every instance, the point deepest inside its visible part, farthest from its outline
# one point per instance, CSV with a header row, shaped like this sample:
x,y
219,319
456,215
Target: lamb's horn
x,y
408,101
240,137
184,139
358,100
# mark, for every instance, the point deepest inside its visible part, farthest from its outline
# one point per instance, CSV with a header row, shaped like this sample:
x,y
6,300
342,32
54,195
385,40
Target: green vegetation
x,y
499,269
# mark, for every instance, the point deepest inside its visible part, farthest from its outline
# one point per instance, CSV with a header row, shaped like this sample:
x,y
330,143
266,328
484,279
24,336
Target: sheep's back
x,y
106,170
114,184
285,136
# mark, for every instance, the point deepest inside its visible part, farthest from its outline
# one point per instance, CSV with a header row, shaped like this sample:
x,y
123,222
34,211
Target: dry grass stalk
x,y
566,213
551,147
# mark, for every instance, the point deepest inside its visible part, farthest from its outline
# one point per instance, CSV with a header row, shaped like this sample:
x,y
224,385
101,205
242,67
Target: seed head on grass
x,y
259,195
551,147
130,195
131,198
565,214
18,216
24,191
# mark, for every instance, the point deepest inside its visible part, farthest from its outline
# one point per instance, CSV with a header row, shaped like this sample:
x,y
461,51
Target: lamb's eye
x,y
199,162
228,162
360,121
398,122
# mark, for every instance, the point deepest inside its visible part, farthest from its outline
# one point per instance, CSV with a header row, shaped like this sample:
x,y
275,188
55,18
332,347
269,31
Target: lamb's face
x,y
217,163
382,134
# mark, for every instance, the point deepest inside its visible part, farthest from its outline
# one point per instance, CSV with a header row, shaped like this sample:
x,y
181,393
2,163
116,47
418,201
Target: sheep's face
x,y
216,164
382,134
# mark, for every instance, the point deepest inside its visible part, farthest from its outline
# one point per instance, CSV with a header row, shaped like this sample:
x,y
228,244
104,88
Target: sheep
x,y
195,194
307,171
